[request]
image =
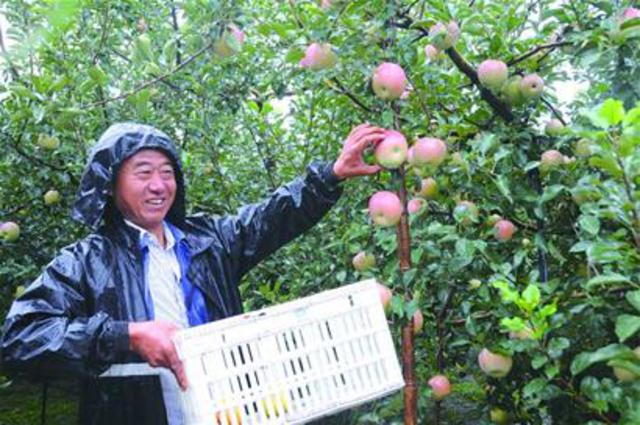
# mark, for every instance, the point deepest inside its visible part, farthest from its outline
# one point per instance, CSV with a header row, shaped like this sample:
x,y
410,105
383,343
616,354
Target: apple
x,y
389,81
428,151
494,365
499,416
319,56
526,333
142,26
385,296
493,73
526,242
415,205
625,375
475,283
551,159
444,36
431,52
531,86
583,147
493,219
363,261
385,208
230,42
418,321
512,91
52,197
391,151
440,387
48,142
325,4
554,127
466,212
10,231
428,188
504,230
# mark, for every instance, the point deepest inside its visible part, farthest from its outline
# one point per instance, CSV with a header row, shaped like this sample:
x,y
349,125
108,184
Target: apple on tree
x,y
493,73
391,151
363,261
493,364
9,231
551,159
431,52
428,151
504,230
440,387
466,212
554,127
415,205
625,375
428,188
389,81
385,296
230,42
444,36
531,86
52,197
385,208
319,56
48,142
512,91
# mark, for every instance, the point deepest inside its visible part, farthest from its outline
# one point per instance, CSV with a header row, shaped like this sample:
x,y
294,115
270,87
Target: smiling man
x,y
106,308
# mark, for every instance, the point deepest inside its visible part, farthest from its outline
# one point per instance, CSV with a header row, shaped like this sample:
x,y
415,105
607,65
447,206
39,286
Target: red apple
x,y
504,230
440,386
418,322
385,208
389,81
466,212
431,52
494,365
428,151
531,86
385,295
522,334
554,127
230,42
630,13
428,188
415,205
363,261
551,159
391,152
583,147
493,73
319,56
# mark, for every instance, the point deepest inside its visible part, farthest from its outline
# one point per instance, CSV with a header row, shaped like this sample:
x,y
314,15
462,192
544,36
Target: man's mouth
x,y
155,201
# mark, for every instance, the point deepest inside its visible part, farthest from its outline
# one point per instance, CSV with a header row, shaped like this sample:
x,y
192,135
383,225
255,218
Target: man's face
x,y
146,188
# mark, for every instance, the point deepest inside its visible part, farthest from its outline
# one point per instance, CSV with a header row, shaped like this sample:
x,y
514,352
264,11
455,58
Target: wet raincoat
x,y
72,321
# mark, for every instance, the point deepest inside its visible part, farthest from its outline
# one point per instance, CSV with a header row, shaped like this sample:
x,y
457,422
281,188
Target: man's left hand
x,y
350,162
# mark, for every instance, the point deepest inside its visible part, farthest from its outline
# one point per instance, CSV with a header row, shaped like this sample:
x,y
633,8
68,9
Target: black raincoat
x,y
72,321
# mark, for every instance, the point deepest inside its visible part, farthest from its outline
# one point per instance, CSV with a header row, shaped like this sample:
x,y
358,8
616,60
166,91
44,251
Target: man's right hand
x,y
153,341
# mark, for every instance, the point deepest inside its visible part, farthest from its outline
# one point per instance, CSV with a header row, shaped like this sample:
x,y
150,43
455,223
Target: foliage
x,y
248,122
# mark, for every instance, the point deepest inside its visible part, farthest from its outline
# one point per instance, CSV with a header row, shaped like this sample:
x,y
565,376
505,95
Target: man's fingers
x,y
180,374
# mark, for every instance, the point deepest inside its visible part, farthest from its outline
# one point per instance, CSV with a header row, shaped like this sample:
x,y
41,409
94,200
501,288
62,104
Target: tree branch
x,y
536,50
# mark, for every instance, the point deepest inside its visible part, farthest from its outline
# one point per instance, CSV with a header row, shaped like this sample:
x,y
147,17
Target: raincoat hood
x,y
94,201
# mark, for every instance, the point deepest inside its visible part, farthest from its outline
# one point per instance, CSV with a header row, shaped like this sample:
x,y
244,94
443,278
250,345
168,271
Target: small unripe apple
x,y
431,52
428,188
385,296
415,205
418,321
493,219
526,242
142,26
504,230
10,231
444,36
493,73
522,334
389,81
440,387
385,208
391,152
319,56
466,212
551,159
428,151
48,142
625,375
531,86
52,197
363,261
554,127
582,147
494,365
499,416
512,92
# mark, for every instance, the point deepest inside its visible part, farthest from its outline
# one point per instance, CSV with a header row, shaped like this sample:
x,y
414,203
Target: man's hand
x,y
350,162
153,342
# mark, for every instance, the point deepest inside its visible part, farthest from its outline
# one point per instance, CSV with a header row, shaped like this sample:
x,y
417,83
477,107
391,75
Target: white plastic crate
x,y
290,363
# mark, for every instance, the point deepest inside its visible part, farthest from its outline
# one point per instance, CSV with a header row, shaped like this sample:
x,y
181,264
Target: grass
x,y
21,404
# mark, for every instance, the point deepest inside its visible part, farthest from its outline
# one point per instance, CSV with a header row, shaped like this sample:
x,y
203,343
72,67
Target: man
x,y
105,309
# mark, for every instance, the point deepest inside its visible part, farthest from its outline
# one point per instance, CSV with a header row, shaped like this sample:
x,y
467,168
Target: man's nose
x,y
156,184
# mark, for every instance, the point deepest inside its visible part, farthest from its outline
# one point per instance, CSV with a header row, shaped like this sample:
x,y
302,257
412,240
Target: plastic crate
x,y
290,363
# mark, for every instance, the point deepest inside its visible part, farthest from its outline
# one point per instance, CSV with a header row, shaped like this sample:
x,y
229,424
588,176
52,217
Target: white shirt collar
x,y
147,236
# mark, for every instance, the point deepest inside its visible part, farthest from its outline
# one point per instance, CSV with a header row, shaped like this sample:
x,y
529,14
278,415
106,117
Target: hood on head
x,y
121,141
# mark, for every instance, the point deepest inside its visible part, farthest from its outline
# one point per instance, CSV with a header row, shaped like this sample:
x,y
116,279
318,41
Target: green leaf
x,y
557,346
606,279
530,298
534,387
610,113
584,360
607,163
551,192
590,224
626,326
634,299
508,295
